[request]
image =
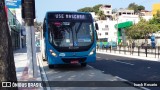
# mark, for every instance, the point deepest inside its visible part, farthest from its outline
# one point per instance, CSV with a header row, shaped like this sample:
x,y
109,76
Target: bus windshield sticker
x,y
80,40
75,44
66,23
67,40
62,54
84,40
71,44
87,40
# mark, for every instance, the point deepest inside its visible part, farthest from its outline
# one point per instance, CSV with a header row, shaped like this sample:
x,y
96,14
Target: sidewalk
x,y
22,65
128,54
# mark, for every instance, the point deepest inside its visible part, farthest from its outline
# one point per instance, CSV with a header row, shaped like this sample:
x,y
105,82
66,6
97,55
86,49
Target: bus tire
x,y
83,64
51,66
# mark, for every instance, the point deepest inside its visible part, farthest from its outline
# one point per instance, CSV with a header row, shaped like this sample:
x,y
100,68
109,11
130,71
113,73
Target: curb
x,y
43,74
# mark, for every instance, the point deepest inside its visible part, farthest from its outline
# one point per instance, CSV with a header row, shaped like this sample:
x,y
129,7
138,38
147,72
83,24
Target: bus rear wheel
x,y
51,66
83,64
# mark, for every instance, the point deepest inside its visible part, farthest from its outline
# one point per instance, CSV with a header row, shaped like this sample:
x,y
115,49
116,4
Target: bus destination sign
x,y
69,16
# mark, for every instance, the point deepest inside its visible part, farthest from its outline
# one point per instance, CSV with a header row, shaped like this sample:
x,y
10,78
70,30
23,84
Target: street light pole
x,y
28,14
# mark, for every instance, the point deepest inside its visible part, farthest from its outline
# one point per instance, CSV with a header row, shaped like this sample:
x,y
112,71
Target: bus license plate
x,y
74,62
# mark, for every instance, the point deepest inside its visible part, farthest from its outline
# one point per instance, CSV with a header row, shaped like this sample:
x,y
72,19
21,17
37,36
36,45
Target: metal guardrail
x,y
136,50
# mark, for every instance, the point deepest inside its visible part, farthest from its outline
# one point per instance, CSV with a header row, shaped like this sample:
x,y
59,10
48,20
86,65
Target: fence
x,y
139,51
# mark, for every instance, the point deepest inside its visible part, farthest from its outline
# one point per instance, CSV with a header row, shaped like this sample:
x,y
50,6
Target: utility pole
x,y
28,14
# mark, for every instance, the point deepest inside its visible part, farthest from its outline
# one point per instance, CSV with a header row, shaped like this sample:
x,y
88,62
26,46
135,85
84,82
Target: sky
x,y
42,6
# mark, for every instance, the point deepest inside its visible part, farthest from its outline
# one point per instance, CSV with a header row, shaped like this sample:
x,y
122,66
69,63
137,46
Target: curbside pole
x,y
28,14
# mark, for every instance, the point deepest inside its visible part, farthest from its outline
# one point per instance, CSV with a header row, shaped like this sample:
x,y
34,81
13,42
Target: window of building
x,y
106,26
106,33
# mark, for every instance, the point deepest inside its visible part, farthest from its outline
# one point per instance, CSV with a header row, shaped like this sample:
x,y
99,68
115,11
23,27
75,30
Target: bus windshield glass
x,y
70,34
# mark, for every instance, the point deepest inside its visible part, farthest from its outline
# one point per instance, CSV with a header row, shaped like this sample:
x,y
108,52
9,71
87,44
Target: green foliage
x,y
96,8
86,9
114,10
141,30
90,9
135,7
156,19
158,13
101,15
140,7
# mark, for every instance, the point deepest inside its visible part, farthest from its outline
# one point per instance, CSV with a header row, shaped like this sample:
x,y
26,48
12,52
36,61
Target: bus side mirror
x,y
96,26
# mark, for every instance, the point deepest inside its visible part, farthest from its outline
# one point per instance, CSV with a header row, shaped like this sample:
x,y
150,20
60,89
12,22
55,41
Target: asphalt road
x,y
128,68
78,73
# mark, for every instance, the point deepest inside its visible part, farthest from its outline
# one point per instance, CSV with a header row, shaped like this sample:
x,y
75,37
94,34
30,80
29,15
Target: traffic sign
x,y
13,3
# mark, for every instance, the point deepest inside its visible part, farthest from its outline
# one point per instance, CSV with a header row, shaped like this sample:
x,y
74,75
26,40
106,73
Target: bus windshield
x,y
70,34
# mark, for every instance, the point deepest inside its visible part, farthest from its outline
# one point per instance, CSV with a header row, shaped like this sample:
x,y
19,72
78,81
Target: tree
x,y
37,25
114,10
155,19
141,8
7,66
96,8
158,14
90,9
143,29
101,15
86,9
135,7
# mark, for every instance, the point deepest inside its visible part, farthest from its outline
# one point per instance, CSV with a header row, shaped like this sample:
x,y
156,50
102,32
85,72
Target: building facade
x,y
155,8
107,30
15,30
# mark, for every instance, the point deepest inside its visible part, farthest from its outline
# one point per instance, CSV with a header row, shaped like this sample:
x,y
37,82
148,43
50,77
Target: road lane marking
x,y
123,62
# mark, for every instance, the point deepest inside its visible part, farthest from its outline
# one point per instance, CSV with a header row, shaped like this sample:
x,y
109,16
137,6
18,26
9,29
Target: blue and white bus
x,y
68,38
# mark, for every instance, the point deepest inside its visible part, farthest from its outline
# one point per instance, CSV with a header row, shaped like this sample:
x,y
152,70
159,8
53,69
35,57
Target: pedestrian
x,y
133,45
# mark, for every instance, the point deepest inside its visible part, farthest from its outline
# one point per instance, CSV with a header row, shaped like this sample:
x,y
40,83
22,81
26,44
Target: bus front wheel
x,y
51,66
83,64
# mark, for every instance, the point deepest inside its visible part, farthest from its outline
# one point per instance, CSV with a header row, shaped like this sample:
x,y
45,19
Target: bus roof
x,y
67,12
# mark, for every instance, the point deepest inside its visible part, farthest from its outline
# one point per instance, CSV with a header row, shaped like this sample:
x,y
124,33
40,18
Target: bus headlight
x,y
92,52
52,53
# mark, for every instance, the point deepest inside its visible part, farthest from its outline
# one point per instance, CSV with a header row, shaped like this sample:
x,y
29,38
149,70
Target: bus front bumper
x,y
72,60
